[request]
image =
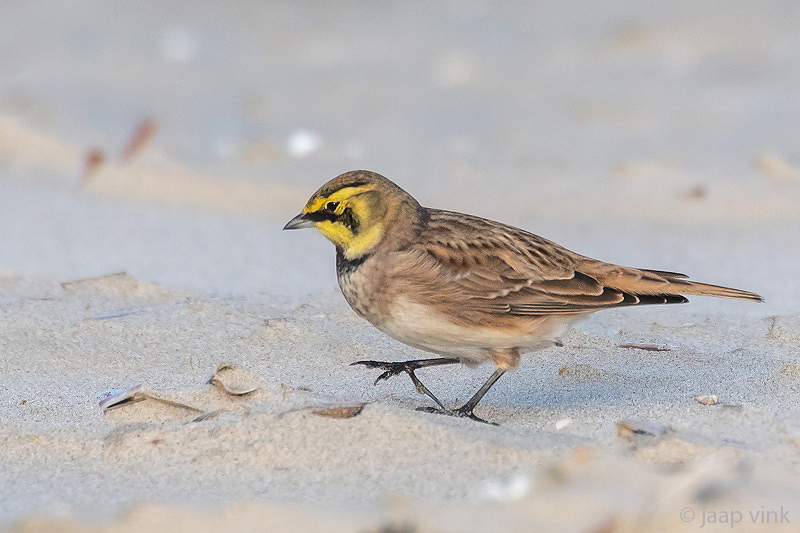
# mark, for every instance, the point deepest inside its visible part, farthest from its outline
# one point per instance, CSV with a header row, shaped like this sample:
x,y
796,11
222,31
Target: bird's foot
x,y
394,368
391,369
462,412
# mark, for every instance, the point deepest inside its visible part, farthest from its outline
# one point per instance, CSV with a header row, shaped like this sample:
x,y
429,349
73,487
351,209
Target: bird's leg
x,y
466,409
394,368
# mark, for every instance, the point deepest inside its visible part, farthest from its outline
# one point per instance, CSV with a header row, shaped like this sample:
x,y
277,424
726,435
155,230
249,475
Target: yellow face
x,y
350,217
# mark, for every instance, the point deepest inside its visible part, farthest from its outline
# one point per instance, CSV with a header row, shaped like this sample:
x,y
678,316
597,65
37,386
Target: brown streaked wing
x,y
496,268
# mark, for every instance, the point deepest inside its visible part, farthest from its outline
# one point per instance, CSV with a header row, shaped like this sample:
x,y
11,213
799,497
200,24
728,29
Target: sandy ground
x,y
660,136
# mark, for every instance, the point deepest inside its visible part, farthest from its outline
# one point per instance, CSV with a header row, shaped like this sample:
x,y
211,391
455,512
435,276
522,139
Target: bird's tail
x,y
704,289
680,285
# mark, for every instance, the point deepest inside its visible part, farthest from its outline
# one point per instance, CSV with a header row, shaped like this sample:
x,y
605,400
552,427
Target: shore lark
x,y
466,288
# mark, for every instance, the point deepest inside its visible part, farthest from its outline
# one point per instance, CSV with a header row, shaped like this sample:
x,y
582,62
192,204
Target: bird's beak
x,y
299,222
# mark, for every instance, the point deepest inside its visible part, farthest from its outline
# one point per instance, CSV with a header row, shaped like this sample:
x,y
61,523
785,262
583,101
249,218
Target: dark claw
x,y
385,375
461,413
371,364
392,369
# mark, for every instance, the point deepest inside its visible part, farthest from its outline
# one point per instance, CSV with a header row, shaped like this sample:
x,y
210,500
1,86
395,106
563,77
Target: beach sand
x,y
653,136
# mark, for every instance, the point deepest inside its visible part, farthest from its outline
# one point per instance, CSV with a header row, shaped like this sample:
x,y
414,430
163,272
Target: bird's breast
x,y
362,286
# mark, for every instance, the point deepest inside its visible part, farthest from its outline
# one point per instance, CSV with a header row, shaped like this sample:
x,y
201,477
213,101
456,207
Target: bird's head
x,y
355,211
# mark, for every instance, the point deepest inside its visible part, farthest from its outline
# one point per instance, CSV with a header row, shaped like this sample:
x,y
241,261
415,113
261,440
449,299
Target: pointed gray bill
x,y
299,222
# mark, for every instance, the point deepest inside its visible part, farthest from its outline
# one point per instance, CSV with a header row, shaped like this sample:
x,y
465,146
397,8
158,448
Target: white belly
x,y
424,328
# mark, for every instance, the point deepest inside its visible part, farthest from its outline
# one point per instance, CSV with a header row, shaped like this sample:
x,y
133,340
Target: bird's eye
x,y
331,206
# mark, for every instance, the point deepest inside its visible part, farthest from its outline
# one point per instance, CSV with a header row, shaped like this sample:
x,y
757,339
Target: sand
x,y
653,136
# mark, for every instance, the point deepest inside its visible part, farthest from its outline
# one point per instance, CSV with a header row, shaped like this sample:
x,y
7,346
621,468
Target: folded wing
x,y
496,268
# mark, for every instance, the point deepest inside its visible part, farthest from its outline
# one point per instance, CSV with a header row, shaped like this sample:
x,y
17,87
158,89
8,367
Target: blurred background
x,y
172,141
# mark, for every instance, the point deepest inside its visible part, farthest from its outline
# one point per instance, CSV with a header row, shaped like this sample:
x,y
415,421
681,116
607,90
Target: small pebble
x,y
706,400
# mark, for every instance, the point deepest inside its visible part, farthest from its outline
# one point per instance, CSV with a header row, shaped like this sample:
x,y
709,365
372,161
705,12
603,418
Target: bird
x,y
467,289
